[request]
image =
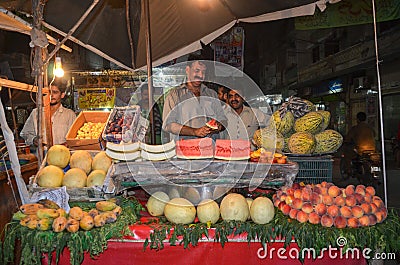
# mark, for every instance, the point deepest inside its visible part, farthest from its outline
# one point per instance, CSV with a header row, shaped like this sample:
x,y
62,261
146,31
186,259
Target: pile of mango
x,y
46,215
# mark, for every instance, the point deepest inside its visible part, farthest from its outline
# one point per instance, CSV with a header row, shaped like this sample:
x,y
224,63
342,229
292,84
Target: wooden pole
x,y
145,7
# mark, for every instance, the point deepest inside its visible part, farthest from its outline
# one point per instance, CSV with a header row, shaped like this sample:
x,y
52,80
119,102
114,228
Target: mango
x,y
86,223
47,213
30,208
72,225
59,224
44,224
105,206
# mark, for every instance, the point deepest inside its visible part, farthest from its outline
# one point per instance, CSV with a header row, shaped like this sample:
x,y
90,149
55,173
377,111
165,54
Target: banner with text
x,y
96,98
350,12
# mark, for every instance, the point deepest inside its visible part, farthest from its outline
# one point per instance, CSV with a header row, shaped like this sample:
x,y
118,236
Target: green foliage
x,y
34,242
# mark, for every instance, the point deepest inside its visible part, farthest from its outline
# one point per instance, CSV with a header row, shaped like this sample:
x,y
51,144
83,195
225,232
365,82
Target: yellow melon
x,y
249,202
101,161
74,178
156,203
208,211
193,195
234,207
180,211
81,159
96,178
58,155
50,177
262,210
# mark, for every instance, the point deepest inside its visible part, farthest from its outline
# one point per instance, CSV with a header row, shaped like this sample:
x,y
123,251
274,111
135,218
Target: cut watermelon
x,y
212,124
232,149
199,148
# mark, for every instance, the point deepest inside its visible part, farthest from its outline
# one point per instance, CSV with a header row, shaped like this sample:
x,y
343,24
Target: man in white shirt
x,y
61,119
242,120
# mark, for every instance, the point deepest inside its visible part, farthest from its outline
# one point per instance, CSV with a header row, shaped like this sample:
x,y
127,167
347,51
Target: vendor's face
x,y
56,95
196,73
221,94
235,100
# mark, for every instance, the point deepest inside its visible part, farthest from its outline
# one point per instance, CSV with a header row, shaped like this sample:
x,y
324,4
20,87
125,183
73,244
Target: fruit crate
x,y
313,169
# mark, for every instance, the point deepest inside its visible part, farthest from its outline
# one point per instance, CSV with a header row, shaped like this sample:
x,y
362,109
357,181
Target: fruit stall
x,y
197,201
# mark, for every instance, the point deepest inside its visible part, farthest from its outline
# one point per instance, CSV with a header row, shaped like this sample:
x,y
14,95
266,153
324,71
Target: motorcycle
x,y
365,166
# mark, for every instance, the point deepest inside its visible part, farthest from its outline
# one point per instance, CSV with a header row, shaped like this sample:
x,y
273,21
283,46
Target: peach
x,y
357,211
324,191
353,222
349,190
279,193
297,194
282,198
324,184
326,220
315,198
381,215
364,220
302,217
313,218
360,189
289,199
293,213
297,203
366,208
290,191
374,208
368,198
345,211
307,207
296,186
327,200
320,209
286,209
378,201
333,210
370,190
334,191
359,198
277,202
372,219
351,201
306,194
281,204
340,222
317,189
339,201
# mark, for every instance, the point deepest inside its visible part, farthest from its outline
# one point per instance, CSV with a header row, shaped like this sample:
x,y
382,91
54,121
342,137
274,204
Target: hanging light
x,y
58,71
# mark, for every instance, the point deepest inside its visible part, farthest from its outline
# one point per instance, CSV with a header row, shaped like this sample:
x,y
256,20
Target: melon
x,y
234,207
173,193
50,177
74,178
262,210
312,122
193,195
180,211
284,123
328,141
219,191
96,178
302,143
232,149
58,155
212,124
81,159
101,161
326,115
208,211
158,148
268,139
156,203
198,148
249,202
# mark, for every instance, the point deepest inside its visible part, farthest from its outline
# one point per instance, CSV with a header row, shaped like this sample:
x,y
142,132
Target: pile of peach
x,y
329,205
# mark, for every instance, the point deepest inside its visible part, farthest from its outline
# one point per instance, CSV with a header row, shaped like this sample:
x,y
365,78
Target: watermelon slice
x,y
212,124
232,149
199,148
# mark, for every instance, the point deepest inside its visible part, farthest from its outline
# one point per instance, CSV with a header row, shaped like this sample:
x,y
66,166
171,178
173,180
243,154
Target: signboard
x,y
96,98
228,49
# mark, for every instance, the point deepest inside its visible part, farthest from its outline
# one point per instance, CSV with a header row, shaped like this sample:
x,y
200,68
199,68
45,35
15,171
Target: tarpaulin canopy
x,y
177,27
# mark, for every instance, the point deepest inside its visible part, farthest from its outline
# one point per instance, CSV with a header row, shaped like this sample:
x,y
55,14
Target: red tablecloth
x,y
235,252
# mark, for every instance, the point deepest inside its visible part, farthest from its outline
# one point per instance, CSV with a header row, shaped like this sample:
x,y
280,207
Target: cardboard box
x,y
86,144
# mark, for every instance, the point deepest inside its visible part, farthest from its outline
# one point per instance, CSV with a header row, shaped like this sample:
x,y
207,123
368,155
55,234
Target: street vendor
x,y
243,120
189,107
61,119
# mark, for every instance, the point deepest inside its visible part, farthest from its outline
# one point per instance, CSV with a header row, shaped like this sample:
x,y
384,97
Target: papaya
x,y
72,225
76,213
24,221
49,204
99,220
117,211
18,216
62,212
59,224
86,223
93,212
110,217
47,213
30,208
32,223
44,224
105,206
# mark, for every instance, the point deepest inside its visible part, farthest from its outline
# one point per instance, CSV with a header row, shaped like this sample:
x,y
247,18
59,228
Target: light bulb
x,y
58,71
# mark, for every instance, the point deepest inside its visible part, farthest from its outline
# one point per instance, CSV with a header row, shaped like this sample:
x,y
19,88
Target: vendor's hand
x,y
203,131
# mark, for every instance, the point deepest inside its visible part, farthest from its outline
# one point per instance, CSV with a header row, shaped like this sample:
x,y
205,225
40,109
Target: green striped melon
x,y
312,122
328,141
327,117
268,139
301,143
285,124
